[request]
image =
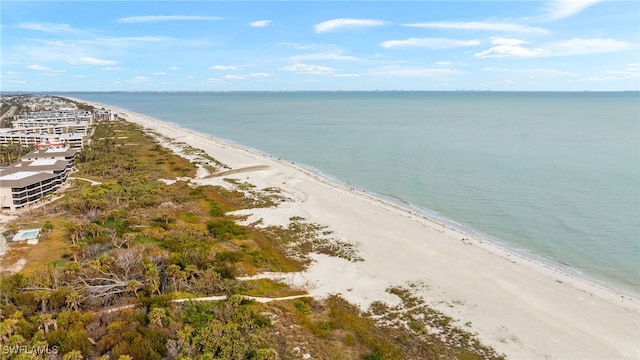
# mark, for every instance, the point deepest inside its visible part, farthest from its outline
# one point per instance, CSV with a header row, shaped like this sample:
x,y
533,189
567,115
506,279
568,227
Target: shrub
x,y
225,229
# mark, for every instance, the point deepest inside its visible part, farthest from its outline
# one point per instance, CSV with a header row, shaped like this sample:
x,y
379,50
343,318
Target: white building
x,y
39,173
9,136
22,188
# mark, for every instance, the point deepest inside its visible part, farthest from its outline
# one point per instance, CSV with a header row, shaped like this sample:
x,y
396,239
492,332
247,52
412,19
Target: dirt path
x,y
237,171
212,298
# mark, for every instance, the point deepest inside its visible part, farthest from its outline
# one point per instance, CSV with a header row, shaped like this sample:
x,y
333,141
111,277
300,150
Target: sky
x,y
324,45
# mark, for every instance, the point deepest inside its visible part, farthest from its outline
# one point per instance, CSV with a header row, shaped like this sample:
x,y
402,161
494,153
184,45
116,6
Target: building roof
x,y
24,178
45,165
43,162
67,151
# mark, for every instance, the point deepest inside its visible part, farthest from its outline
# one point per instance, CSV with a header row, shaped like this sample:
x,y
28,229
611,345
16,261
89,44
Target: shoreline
x,y
415,210
457,260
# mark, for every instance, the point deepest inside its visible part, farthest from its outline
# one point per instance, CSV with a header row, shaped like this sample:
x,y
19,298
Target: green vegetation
x,y
117,255
12,152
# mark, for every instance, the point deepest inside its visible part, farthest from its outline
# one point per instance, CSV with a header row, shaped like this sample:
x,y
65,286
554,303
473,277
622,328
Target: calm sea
x,y
553,175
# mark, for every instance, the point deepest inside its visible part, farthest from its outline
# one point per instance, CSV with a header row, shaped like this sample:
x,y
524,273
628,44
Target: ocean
x,y
552,175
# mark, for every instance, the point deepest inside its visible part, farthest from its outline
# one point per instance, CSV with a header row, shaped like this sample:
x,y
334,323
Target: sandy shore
x,y
523,308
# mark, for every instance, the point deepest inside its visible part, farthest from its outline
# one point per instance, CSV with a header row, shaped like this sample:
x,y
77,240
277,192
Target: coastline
x,y
518,305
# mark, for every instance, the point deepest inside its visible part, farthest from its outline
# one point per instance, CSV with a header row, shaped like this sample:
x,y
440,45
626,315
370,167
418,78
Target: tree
x,y
7,328
72,300
42,298
75,232
156,315
173,271
45,322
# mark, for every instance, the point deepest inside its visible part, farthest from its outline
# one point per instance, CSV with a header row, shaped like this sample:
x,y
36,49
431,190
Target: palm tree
x,y
45,321
7,328
156,315
173,271
42,297
72,300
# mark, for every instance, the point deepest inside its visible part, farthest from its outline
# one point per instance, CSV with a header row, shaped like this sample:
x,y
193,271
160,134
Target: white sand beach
x,y
521,307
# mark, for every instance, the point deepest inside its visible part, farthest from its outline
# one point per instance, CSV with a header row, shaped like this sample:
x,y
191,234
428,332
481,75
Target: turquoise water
x,y
555,175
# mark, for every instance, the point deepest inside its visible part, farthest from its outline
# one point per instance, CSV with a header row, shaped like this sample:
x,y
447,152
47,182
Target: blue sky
x,y
329,45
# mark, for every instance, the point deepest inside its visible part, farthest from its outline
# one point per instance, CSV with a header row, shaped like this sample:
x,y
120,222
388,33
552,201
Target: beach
x,y
523,308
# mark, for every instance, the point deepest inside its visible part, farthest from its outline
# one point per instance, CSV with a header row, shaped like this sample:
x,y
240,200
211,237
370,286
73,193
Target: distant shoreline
x,y
65,93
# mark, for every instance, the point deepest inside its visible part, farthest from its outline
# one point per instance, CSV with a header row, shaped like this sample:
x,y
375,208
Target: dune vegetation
x,y
117,255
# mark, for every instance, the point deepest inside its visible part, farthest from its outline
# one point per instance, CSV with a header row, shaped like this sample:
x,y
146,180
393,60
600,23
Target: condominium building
x,y
38,173
57,116
21,188
53,153
10,136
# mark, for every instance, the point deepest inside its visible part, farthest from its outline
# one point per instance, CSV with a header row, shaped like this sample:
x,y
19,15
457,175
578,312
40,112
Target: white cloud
x,y
209,80
47,71
512,48
444,63
138,80
343,75
598,78
49,27
496,40
413,72
530,71
247,76
313,47
309,69
160,73
512,51
588,46
630,71
223,68
111,68
134,41
129,39
300,68
323,56
558,9
488,26
158,18
10,73
505,47
173,68
260,23
335,24
38,68
92,61
432,43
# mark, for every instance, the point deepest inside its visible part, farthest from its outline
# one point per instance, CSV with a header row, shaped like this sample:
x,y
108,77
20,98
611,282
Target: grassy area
x,y
51,248
269,288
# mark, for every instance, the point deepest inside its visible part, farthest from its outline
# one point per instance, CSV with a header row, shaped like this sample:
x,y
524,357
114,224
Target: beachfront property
x,y
53,152
71,127
22,188
56,129
75,141
104,115
51,121
36,175
58,116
